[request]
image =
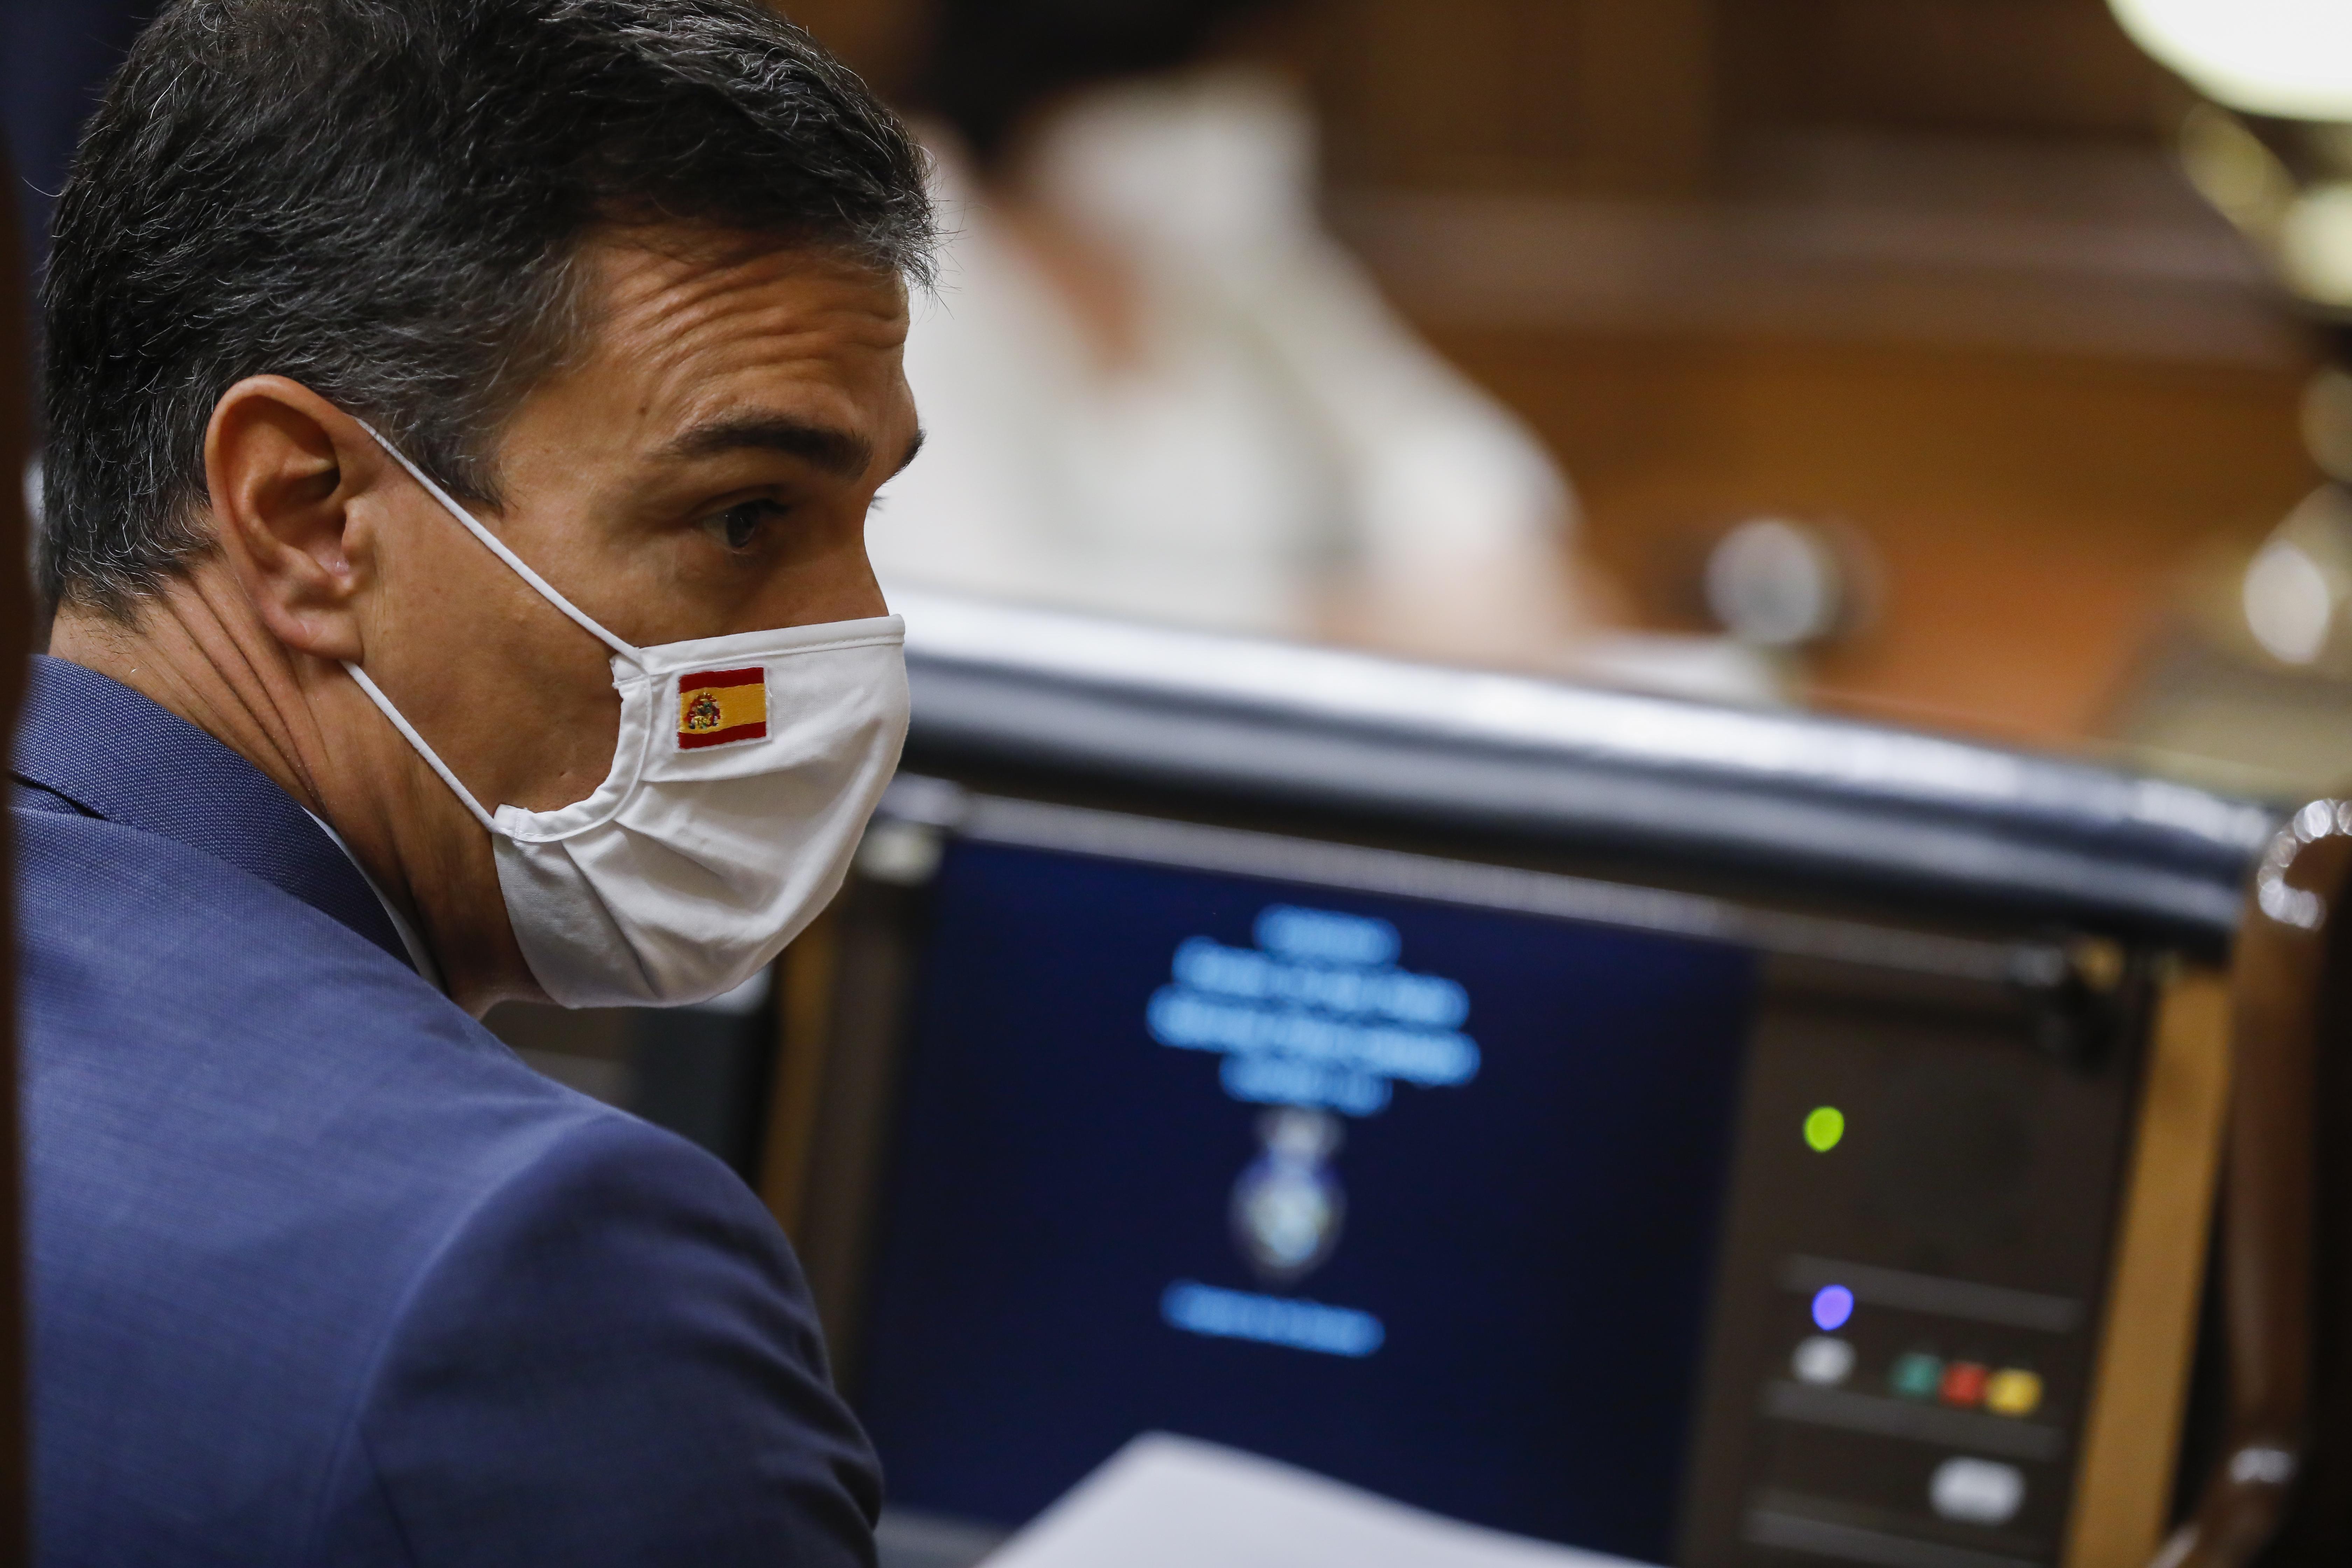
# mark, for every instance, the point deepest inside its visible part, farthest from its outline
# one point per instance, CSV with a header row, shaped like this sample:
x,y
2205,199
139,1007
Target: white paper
x,y
1175,1502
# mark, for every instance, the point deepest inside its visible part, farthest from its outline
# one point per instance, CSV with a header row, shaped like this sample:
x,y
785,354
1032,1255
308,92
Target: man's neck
x,y
196,649
206,661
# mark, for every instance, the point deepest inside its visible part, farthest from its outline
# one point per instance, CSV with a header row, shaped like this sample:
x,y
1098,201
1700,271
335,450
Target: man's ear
x,y
282,465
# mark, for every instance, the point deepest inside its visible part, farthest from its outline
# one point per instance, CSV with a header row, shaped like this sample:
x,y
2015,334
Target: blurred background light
x,y
2295,587
1776,583
2232,168
1822,1362
2289,605
1832,1305
2315,244
2291,58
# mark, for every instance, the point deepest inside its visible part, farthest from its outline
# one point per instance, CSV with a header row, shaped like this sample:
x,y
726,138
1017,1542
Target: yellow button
x,y
2012,1390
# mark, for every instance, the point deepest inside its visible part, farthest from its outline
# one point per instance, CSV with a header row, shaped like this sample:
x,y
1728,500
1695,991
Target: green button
x,y
1915,1374
1823,1127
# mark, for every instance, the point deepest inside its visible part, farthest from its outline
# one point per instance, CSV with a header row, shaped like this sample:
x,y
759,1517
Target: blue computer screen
x,y
1419,1195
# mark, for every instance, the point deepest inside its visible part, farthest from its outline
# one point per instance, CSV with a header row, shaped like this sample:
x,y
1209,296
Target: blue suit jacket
x,y
321,1272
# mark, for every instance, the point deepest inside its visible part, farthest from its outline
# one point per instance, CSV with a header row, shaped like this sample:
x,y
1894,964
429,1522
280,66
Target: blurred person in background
x,y
1154,386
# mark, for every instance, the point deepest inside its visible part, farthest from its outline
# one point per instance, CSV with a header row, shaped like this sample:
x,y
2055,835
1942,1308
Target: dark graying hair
x,y
382,199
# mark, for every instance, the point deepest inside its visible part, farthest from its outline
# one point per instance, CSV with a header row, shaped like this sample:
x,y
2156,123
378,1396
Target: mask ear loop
x,y
497,548
545,590
432,757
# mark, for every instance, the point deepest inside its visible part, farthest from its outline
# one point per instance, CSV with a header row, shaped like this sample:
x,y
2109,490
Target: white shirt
x,y
418,954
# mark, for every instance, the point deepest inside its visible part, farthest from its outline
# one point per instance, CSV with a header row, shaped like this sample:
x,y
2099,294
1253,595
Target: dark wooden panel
x,y
1662,96
1613,95
2059,67
2029,513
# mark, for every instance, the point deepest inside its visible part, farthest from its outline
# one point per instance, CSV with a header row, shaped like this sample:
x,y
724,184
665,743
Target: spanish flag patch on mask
x,y
720,707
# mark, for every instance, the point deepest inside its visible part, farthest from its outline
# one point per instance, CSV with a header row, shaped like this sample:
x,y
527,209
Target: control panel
x,y
1907,1300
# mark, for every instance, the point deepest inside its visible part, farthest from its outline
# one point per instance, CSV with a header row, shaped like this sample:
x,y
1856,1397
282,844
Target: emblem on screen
x,y
1289,1205
1318,1015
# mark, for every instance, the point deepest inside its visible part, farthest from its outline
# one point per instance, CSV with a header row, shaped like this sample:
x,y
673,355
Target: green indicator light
x,y
1824,1127
1916,1375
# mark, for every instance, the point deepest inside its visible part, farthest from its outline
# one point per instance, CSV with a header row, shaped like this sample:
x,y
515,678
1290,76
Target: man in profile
x,y
462,418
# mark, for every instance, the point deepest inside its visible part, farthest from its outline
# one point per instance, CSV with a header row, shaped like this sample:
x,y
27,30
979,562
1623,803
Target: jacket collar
x,y
114,754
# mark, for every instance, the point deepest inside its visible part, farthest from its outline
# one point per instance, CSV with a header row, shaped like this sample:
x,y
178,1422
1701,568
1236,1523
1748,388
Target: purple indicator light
x,y
1832,1305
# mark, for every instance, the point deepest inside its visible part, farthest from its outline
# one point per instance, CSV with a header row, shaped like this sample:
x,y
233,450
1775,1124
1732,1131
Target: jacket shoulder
x,y
301,1230
613,1359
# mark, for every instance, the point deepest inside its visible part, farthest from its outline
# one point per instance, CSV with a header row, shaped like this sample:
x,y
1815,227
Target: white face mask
x,y
745,770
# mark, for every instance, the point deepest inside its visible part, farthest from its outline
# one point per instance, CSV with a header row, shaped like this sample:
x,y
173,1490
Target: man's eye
x,y
739,526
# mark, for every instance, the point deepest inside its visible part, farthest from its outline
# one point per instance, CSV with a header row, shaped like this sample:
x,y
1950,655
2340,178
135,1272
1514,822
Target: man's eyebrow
x,y
828,448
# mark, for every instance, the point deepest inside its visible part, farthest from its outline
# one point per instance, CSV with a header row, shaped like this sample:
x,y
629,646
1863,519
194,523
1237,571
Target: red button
x,y
1964,1383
